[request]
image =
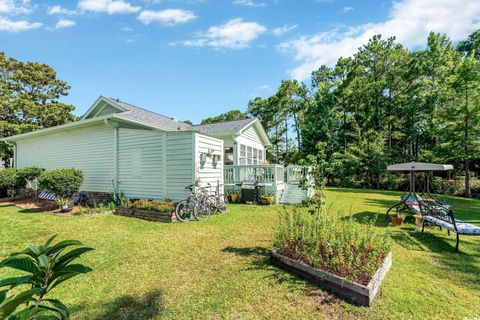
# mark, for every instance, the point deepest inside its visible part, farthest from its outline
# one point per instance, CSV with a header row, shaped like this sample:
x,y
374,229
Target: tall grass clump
x,y
341,246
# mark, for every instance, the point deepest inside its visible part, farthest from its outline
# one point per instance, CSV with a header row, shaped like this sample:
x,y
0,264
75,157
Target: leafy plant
x,y
341,246
63,201
9,180
28,174
123,200
63,182
45,266
160,206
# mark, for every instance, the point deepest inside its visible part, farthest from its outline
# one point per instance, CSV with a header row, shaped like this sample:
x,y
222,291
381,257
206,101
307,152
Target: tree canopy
x,y
383,105
29,99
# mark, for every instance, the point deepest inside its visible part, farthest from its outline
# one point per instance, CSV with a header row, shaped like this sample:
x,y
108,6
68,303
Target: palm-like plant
x,y
46,267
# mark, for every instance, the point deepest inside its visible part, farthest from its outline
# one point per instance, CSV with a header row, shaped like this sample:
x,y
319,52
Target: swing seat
x,y
438,215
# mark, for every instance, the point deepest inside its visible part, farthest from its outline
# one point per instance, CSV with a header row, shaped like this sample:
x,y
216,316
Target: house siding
x,y
89,149
141,173
208,173
250,138
180,163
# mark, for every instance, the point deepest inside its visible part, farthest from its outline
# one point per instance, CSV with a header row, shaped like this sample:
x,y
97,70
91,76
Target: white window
x,y
260,156
255,156
243,154
249,155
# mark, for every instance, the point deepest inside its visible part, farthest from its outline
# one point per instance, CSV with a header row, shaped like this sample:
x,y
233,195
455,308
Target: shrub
x,y
160,206
341,246
63,182
46,266
449,187
28,173
9,180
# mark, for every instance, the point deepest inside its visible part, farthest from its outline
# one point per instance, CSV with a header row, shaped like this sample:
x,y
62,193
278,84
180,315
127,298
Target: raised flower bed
x,y
354,292
163,211
349,258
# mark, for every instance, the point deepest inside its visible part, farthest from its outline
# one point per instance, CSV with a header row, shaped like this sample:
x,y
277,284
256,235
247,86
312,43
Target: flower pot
x,y
66,208
234,197
397,220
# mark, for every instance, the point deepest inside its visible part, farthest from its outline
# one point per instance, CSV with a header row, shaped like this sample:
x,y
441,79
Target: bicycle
x,y
184,211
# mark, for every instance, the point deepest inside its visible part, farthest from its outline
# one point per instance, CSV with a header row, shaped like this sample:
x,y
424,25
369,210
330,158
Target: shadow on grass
x,y
148,306
261,259
365,217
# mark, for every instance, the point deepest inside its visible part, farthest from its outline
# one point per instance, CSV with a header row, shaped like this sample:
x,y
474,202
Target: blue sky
x,y
192,59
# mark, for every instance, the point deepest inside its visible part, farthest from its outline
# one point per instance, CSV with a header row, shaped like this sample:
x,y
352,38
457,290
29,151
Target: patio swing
x,y
430,208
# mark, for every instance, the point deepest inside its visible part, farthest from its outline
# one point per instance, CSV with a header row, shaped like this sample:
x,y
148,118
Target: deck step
x,y
292,194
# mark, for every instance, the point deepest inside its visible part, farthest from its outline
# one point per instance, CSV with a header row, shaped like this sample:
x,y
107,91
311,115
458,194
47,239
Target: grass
x,y
220,268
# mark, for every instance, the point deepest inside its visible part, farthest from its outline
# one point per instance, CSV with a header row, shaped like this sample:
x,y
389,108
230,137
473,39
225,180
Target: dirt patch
x,y
31,205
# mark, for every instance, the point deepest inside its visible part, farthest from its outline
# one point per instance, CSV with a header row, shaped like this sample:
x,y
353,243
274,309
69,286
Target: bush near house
x,y
340,246
29,173
9,180
63,182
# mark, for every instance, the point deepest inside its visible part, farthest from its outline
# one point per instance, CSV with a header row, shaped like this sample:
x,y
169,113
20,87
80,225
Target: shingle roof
x,y
225,126
169,124
152,118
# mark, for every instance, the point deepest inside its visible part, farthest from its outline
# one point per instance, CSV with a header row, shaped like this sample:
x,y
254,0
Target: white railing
x,y
267,174
296,174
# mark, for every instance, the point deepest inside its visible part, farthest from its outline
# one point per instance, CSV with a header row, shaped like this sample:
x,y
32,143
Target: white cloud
x,y
409,20
264,87
277,32
15,6
167,17
60,10
108,6
234,34
347,8
16,26
65,23
249,3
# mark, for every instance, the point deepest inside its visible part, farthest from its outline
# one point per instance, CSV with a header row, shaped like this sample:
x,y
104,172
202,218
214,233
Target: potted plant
x,y
398,220
234,196
64,204
267,200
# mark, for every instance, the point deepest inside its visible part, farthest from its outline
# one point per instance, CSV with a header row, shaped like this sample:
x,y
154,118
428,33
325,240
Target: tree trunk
x,y
467,178
297,129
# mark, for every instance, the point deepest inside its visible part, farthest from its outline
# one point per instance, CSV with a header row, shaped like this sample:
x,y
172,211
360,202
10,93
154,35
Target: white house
x,y
144,154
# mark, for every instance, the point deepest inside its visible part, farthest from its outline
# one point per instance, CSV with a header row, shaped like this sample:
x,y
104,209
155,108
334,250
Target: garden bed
x,y
151,215
352,291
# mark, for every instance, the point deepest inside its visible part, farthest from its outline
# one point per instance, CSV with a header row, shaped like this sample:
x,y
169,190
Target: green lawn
x,y
220,268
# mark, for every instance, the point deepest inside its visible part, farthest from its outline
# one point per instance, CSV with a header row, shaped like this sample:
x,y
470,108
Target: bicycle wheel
x,y
184,211
202,211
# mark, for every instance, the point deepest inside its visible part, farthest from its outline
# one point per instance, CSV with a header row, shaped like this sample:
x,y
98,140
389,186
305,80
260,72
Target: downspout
x,y
114,125
14,144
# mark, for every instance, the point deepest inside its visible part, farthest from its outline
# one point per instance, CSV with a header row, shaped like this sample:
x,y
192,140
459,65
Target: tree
x,y
461,125
227,116
293,100
269,114
29,99
471,45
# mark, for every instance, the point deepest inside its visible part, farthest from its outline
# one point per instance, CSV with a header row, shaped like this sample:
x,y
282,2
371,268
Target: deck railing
x,y
296,174
261,173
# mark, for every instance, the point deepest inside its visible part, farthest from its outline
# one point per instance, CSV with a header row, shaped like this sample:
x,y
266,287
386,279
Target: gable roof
x,y
130,112
224,126
136,115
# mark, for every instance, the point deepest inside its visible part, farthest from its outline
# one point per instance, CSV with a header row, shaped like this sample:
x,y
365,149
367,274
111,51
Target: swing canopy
x,y
418,167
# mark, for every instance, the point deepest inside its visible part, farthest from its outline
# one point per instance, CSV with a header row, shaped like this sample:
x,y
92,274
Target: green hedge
x,y
9,180
63,182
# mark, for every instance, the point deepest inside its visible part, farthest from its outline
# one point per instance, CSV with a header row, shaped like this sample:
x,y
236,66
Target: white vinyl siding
x,y
250,141
140,169
89,149
180,164
207,173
